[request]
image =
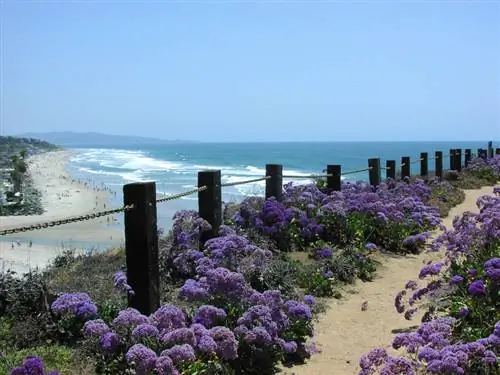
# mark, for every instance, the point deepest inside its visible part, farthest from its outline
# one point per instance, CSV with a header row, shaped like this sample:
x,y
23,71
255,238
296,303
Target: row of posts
x,y
141,235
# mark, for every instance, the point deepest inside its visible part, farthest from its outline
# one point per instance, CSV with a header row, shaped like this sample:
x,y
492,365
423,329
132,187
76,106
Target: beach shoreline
x,y
62,197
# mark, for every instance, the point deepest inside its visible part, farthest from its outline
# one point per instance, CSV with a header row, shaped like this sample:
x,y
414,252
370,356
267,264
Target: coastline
x,y
62,197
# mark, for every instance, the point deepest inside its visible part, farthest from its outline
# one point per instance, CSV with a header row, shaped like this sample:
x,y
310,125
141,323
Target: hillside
x,y
10,146
91,139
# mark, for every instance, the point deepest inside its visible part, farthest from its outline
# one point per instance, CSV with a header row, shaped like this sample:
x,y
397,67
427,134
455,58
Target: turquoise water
x,y
174,167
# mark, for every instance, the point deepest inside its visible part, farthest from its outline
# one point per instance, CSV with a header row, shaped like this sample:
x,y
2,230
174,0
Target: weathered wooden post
x,y
468,156
458,159
274,184
210,203
424,164
490,149
438,158
452,160
497,151
334,179
141,246
405,167
482,153
390,169
374,172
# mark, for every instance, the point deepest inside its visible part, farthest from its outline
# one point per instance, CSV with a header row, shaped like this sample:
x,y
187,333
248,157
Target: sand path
x,y
344,332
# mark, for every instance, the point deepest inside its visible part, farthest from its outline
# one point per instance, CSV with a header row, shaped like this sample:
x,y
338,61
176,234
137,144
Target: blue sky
x,y
252,71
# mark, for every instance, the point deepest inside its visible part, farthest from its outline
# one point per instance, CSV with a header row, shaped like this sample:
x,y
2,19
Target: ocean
x,y
174,167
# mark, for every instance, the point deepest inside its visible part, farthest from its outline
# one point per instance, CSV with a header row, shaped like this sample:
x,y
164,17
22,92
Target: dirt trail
x,y
345,332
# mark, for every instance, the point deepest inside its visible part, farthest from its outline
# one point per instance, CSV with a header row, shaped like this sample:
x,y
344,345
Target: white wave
x,y
134,176
123,159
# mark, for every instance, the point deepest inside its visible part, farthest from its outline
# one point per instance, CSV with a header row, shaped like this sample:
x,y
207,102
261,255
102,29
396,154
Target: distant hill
x,y
74,139
10,146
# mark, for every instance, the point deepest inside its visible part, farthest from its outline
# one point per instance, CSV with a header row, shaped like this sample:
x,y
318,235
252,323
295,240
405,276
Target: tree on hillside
x,y
20,168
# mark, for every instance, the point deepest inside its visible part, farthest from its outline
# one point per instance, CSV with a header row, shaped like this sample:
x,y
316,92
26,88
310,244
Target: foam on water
x,y
117,166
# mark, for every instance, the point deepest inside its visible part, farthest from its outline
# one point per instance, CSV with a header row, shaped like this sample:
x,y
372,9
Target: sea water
x,y
174,166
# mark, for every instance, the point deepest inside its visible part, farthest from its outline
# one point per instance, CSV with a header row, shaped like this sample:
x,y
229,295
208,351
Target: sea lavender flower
x,y
298,310
94,328
109,341
180,353
309,300
145,330
477,288
77,304
129,318
32,365
179,336
142,358
323,253
208,315
227,346
165,366
456,279
206,344
121,284
169,317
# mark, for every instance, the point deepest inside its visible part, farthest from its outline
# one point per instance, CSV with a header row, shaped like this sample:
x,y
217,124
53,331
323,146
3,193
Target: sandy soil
x,y
62,197
345,332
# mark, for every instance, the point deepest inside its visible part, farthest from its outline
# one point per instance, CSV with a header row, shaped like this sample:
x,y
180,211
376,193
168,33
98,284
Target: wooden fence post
x,y
374,172
141,246
482,153
490,149
458,159
274,185
390,169
405,167
468,156
497,151
452,159
424,164
210,203
334,182
439,164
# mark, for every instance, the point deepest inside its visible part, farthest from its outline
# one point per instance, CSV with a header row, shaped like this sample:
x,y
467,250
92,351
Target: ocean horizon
x,y
174,167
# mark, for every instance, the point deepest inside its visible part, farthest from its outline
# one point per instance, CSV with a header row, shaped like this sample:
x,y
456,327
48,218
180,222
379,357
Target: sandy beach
x,y
62,197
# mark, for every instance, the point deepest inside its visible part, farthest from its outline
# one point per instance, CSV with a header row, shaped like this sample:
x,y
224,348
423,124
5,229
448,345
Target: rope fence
x,y
140,216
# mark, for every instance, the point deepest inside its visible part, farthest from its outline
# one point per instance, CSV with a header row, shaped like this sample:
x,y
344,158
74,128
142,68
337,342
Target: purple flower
x,y
456,279
206,344
180,353
209,316
309,300
463,312
77,304
120,279
477,288
169,317
145,330
323,253
298,310
129,318
94,328
179,336
142,358
109,341
165,366
227,347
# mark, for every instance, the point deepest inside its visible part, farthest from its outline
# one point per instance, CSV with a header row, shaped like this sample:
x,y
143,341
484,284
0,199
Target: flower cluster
x,y
78,305
32,365
120,279
465,288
